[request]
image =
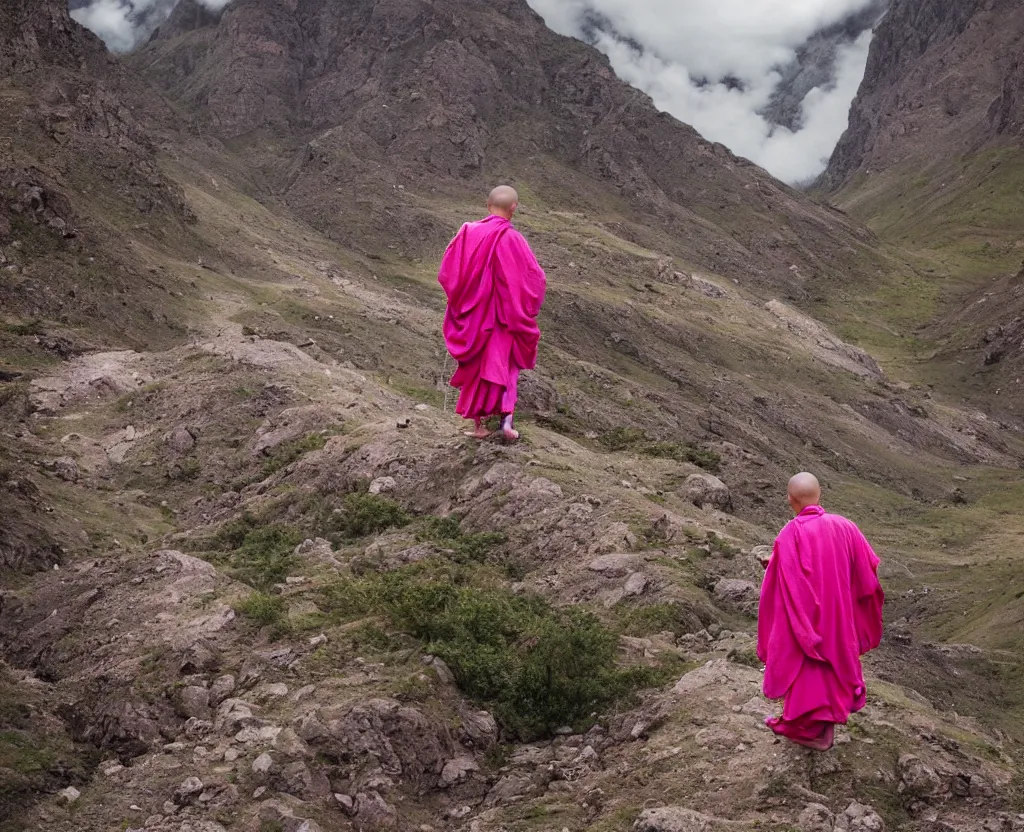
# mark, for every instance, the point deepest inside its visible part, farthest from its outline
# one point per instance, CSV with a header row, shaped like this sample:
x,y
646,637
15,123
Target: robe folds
x,y
495,290
820,611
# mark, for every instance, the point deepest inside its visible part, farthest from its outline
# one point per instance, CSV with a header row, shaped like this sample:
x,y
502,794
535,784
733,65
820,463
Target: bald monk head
x,y
503,201
804,490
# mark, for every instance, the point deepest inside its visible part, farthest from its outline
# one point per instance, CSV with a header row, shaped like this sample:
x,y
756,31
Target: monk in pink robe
x,y
820,611
495,290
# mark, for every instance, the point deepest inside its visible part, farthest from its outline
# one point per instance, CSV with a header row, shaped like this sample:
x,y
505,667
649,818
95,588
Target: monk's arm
x,y
867,594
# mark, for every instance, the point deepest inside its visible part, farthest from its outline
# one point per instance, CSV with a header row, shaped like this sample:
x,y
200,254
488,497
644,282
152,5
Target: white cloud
x,y
109,20
684,41
122,24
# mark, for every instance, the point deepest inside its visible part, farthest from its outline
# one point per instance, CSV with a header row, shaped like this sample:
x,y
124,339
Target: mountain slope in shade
x,y
362,97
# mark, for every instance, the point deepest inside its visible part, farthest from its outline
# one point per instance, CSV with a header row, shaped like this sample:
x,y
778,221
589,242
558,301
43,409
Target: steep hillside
x,y
253,575
344,103
934,161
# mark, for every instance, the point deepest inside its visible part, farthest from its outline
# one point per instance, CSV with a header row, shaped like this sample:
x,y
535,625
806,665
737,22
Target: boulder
x,y
615,566
707,491
816,818
180,440
373,813
916,779
457,770
194,701
859,818
677,819
383,485
738,594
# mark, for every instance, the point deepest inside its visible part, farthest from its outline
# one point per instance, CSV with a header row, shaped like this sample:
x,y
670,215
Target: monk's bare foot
x,y
509,432
480,433
823,742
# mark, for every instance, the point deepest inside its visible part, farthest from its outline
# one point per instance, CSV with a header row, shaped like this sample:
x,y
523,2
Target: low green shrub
x,y
359,515
262,609
535,666
446,533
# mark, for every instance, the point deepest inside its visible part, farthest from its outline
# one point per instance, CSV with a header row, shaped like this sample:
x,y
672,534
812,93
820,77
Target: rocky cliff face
x,y
942,79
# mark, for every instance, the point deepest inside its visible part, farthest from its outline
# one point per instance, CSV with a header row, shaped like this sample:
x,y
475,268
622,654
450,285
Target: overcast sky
x,y
712,40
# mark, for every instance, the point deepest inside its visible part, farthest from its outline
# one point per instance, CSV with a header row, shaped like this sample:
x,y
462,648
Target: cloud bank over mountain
x,y
123,24
771,80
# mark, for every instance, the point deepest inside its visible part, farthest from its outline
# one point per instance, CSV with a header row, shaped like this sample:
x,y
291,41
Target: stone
x,y
347,804
69,795
65,468
816,818
221,689
383,485
272,691
859,818
194,702
615,565
508,788
188,792
457,770
707,491
676,819
636,585
374,812
916,778
181,440
480,728
263,765
444,673
739,594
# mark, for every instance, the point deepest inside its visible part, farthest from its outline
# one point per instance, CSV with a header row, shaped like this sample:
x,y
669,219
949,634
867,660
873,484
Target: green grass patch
x,y
650,619
359,515
635,439
259,554
463,547
535,666
263,610
288,452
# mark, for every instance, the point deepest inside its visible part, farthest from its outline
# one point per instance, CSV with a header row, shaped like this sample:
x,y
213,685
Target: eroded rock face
x,y
907,108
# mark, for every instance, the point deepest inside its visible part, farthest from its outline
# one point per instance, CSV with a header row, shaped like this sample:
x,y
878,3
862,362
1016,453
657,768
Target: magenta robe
x,y
495,289
820,611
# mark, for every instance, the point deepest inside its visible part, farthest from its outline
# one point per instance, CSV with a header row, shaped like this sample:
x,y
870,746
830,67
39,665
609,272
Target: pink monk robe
x,y
820,611
495,290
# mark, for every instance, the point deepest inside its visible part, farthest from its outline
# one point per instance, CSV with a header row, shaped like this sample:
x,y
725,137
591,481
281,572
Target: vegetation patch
x,y
259,554
463,547
536,667
262,609
650,619
288,452
359,515
635,439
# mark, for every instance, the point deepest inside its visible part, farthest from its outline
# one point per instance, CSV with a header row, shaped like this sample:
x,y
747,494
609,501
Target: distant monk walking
x,y
821,610
495,289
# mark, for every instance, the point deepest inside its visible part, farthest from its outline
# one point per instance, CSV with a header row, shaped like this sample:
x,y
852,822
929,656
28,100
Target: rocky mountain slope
x,y
255,578
934,161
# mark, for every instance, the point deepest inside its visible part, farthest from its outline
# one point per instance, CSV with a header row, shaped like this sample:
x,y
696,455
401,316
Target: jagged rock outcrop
x,y
943,77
